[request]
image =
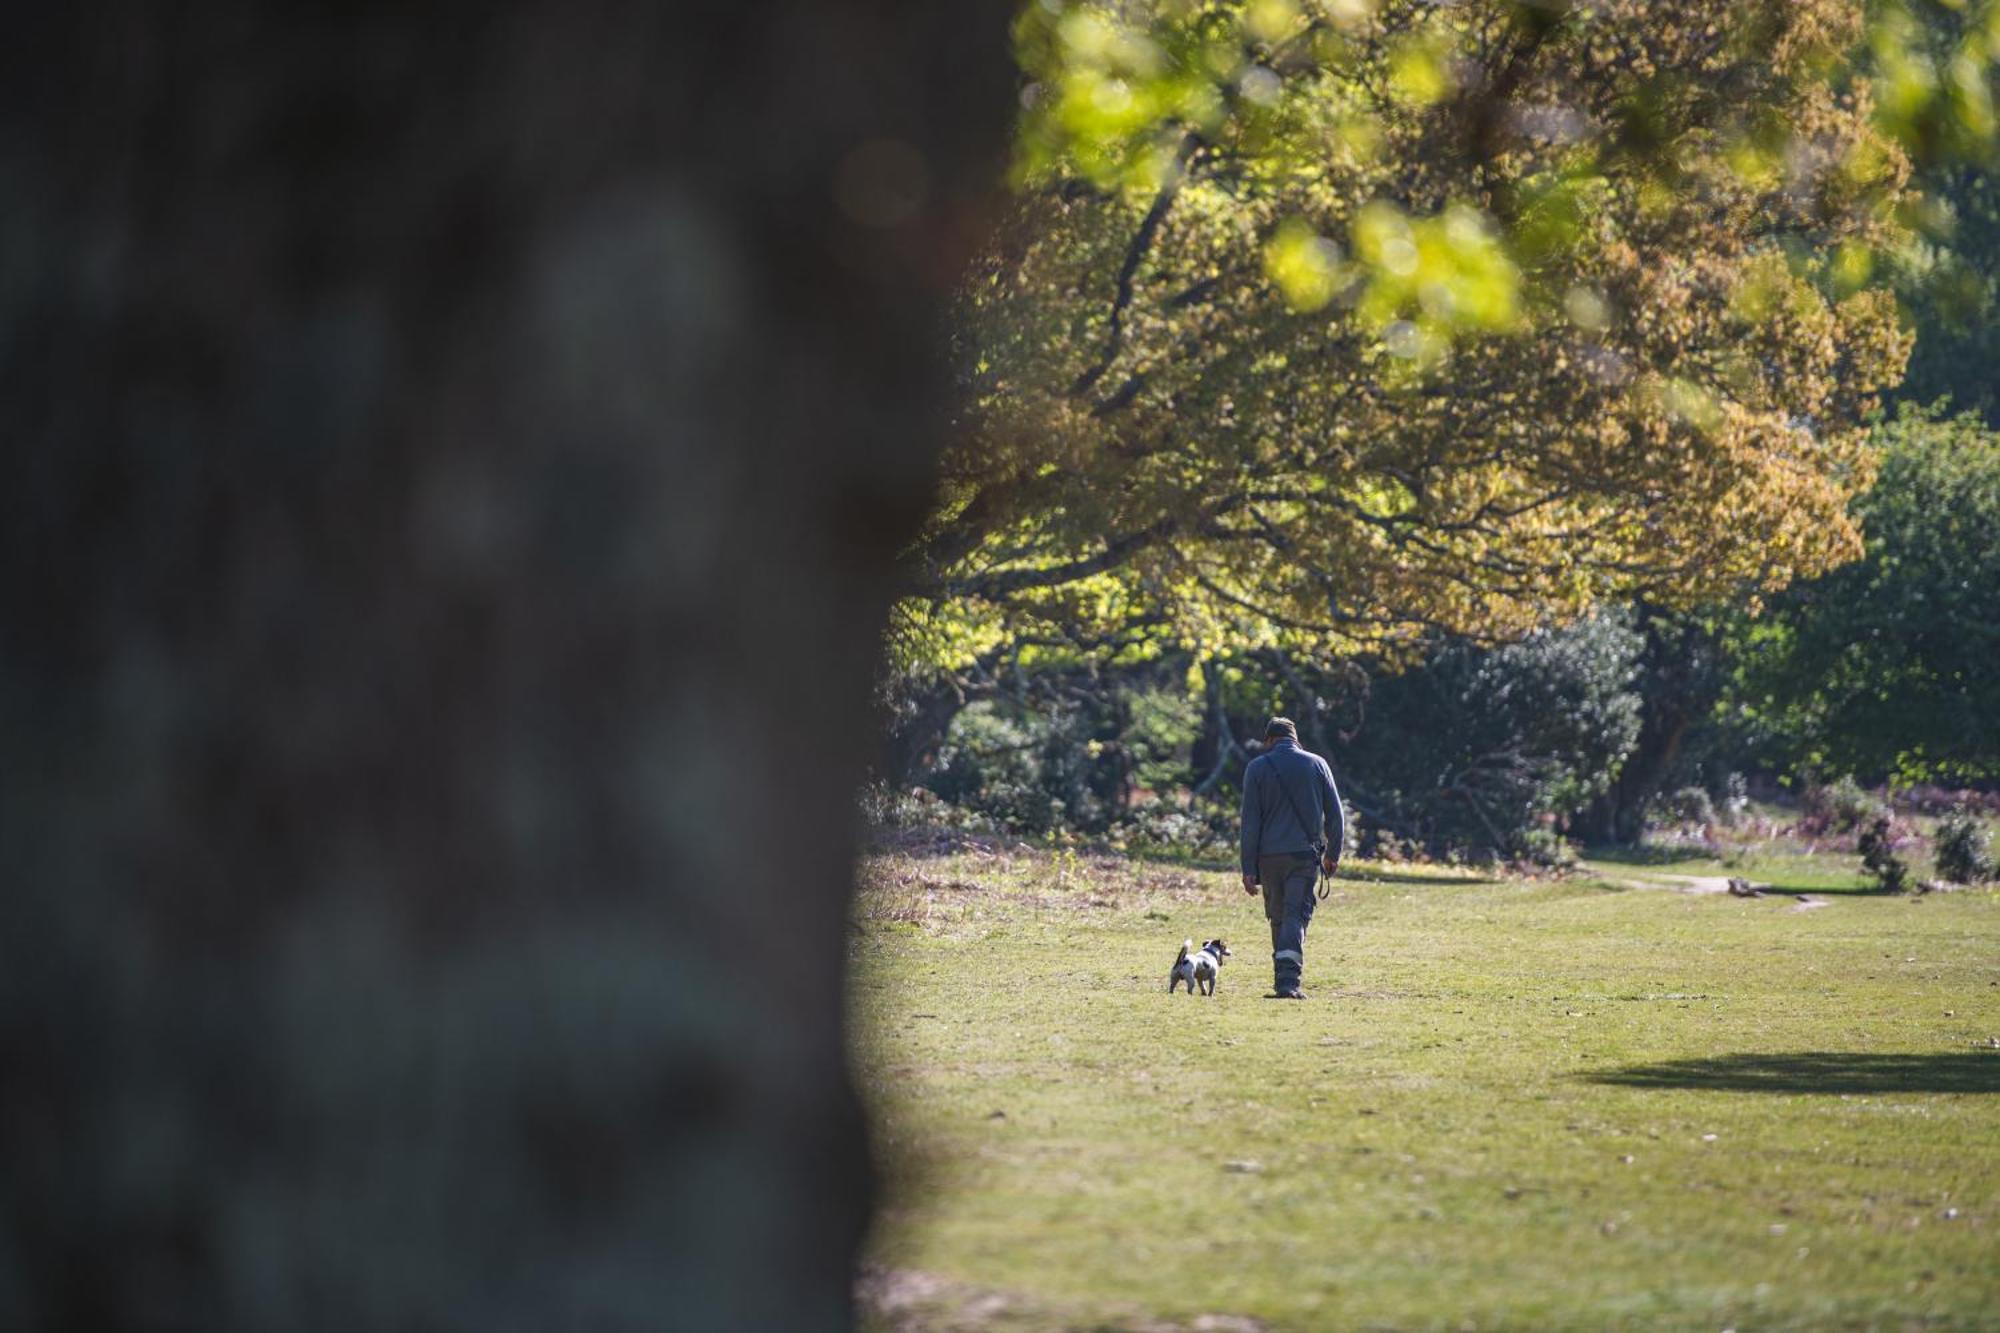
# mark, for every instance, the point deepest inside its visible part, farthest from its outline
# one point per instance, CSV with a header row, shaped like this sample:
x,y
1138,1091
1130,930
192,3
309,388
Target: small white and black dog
x,y
1198,967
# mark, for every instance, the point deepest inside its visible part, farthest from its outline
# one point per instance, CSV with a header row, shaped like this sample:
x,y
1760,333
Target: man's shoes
x,y
1293,994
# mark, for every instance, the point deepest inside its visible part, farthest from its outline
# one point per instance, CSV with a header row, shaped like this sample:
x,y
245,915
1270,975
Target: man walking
x,y
1293,828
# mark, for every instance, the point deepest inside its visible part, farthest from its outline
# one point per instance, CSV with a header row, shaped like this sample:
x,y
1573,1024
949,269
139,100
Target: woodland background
x,y
467,465
1661,473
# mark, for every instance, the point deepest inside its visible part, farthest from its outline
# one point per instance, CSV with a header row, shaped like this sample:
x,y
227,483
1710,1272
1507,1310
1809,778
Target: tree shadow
x,y
1863,890
1817,1072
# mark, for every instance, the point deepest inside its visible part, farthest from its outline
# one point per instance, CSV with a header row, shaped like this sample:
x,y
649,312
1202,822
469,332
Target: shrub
x,y
1162,729
1688,806
1962,848
1377,842
1030,769
1545,849
1735,797
1927,798
1178,832
1840,807
1476,748
1877,845
1686,847
990,763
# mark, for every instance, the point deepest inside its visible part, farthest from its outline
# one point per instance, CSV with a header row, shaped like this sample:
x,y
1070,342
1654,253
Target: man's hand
x,y
1250,884
1329,863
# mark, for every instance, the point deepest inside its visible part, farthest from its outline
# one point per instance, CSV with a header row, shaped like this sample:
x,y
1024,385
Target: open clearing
x,y
1507,1104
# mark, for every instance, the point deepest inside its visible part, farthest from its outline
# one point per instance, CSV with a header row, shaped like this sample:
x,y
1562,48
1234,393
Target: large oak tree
x,y
1330,324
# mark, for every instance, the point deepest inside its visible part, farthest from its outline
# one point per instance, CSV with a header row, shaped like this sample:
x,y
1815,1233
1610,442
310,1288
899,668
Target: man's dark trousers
x,y
1288,880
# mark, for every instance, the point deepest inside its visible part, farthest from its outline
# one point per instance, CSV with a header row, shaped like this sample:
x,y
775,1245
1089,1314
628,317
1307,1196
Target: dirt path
x,y
1671,883
1694,883
1715,884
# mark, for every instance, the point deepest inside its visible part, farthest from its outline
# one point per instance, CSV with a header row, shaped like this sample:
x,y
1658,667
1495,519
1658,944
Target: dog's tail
x,y
1187,947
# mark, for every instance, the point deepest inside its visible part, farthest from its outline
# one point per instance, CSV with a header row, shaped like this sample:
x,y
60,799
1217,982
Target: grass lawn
x,y
1506,1104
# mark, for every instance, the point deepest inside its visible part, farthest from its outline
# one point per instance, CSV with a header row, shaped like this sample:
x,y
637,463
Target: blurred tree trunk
x,y
454,457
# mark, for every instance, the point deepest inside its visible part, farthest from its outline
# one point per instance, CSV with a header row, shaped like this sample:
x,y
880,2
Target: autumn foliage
x,y
1329,324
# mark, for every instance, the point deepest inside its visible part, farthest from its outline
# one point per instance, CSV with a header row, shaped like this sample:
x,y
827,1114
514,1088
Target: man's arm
x,y
1253,826
1336,816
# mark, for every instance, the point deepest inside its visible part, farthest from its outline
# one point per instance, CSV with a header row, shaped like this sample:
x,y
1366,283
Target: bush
x,y
1377,842
1479,747
1163,727
1877,844
1927,798
1066,749
1165,828
1735,797
1545,849
1841,807
1962,848
1688,806
1686,847
992,763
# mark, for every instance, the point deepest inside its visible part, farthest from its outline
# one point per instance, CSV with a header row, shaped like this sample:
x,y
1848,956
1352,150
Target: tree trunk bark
x,y
1679,681
1619,815
455,457
1304,704
913,735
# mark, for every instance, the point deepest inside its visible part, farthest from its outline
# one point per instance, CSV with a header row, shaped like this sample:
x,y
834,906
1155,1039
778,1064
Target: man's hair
x,y
1280,726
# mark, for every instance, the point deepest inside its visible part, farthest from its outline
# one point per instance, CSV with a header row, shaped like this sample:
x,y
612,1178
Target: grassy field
x,y
1507,1104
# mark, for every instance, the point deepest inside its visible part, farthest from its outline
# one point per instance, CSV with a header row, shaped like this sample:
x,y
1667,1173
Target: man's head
x,y
1280,729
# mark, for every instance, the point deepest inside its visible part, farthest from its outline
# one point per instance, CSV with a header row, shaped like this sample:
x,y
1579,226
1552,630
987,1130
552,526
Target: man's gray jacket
x,y
1271,822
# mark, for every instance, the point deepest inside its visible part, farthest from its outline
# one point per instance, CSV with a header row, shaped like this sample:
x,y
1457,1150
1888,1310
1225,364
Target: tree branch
x,y
1135,254
994,587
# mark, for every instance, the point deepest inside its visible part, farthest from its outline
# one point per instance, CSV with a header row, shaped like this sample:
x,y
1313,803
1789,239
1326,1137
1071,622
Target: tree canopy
x,y
1950,284
1336,324
1885,667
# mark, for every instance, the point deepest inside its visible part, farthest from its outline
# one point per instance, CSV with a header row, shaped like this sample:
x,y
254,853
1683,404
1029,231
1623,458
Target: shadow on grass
x,y
1818,890
1817,1071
